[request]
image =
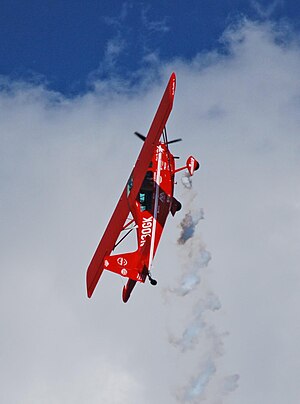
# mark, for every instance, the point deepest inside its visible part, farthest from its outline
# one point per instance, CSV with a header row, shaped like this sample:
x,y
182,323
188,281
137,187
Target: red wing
x,y
122,209
152,139
107,243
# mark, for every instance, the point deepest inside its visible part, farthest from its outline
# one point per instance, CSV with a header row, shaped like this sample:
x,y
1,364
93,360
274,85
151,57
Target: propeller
x,y
173,141
143,138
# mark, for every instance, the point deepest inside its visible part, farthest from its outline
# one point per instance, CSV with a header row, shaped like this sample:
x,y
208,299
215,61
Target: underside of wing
x,y
107,243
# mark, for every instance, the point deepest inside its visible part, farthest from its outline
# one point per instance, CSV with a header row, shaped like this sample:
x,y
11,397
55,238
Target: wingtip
x,y
172,84
89,286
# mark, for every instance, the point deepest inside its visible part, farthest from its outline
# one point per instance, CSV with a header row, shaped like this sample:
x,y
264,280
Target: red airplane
x,y
144,205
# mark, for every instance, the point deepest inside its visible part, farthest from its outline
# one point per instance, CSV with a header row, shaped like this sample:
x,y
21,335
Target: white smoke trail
x,y
208,384
188,225
192,332
186,180
196,259
198,384
203,388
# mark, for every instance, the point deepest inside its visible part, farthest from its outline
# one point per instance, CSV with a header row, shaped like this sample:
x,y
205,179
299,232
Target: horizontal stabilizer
x,y
125,265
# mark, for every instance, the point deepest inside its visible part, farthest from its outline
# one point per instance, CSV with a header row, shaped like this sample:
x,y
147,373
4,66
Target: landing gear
x,y
151,280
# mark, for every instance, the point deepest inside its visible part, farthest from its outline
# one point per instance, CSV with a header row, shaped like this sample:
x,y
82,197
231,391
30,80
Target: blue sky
x,y
69,43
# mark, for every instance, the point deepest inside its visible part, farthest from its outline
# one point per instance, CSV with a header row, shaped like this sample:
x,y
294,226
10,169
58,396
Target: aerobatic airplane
x,y
144,205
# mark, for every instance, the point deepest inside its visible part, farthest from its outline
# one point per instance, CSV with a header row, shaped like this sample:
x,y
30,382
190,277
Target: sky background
x,y
69,44
76,80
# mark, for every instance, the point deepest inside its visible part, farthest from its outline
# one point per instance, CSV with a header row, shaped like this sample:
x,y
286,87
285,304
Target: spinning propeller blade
x,y
143,138
173,141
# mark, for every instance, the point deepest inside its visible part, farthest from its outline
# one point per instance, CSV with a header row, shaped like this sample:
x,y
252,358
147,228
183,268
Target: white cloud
x,y
266,11
153,25
114,48
63,163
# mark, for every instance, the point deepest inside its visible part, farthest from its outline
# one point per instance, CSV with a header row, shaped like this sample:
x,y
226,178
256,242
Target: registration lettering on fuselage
x,y
146,229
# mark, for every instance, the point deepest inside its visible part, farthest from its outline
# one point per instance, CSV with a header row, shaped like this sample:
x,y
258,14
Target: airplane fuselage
x,y
150,211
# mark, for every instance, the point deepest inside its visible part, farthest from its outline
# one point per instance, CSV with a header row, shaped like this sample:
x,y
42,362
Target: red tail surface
x,y
127,264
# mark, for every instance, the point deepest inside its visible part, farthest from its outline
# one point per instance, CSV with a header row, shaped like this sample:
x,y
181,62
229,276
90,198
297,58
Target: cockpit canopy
x,y
146,192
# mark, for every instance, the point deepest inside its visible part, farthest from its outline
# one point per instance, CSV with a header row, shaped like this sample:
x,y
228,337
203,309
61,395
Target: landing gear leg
x,y
151,280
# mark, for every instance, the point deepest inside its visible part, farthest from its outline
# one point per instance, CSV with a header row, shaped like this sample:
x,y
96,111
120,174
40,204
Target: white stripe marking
x,y
155,207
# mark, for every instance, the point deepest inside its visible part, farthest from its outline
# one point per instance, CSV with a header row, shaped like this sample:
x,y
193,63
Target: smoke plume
x,y
188,225
207,382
